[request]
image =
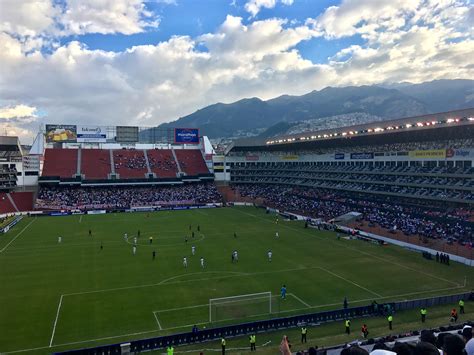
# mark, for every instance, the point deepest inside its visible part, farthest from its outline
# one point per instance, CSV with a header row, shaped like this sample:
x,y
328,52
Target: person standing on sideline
x,y
347,323
461,306
365,331
283,292
223,346
390,320
304,331
170,350
253,340
423,312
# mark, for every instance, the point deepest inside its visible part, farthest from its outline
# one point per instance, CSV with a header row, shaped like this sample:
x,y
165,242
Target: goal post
x,y
240,306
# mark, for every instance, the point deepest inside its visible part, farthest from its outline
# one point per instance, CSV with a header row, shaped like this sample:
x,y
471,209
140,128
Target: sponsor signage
x,y
428,154
56,133
458,153
252,157
186,135
339,156
362,155
289,157
91,134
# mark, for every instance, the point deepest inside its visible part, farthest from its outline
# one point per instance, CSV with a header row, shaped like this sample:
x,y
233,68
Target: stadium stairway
x,y
112,163
13,203
176,161
79,159
147,162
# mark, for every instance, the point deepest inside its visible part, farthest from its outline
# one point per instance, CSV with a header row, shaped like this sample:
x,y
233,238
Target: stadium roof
x,y
409,124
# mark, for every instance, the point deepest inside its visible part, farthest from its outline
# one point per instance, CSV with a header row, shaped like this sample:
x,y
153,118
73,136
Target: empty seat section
x,y
5,204
191,161
23,200
130,164
162,163
95,163
60,162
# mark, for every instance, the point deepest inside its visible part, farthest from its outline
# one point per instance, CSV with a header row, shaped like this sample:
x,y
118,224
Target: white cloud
x,y
17,112
254,6
150,84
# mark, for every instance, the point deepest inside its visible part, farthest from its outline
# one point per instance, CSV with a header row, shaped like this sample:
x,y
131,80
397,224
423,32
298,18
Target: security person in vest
x,y
223,345
461,306
423,312
390,320
303,334
348,326
170,350
253,340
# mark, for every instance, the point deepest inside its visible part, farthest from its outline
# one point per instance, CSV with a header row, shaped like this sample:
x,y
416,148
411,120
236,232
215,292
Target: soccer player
x,y
202,262
90,233
193,250
283,292
135,240
101,246
236,256
151,240
235,235
60,239
138,233
185,262
276,222
269,256
199,228
185,238
192,234
134,249
233,257
189,227
154,254
277,235
125,237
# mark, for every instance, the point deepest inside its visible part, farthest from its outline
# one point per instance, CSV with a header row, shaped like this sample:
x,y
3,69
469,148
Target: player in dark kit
x,y
138,233
192,234
90,233
199,228
101,246
154,254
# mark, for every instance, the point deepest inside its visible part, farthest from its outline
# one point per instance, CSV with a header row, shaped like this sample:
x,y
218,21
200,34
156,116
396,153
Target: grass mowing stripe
x,y
357,250
19,233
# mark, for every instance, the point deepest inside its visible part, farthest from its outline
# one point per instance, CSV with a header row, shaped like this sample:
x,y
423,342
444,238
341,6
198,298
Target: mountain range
x,y
328,108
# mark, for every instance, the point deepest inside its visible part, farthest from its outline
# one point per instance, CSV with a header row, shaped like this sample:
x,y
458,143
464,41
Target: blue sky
x,y
144,62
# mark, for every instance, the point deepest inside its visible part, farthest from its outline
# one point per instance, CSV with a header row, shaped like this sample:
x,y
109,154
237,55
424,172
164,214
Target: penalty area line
x,y
19,233
299,300
157,321
56,321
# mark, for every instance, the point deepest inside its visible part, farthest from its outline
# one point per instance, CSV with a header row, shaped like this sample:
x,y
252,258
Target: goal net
x,y
241,306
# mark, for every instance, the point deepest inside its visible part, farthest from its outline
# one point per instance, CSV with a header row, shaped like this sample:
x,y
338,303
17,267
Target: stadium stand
x,y
22,200
162,163
130,164
191,162
60,163
6,205
95,163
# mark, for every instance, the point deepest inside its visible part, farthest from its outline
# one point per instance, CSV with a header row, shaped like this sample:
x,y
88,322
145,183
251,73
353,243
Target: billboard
x,y
362,155
289,157
186,135
91,134
339,156
126,134
56,133
428,154
462,153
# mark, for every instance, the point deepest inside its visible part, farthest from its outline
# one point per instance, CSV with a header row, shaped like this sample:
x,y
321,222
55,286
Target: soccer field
x,y
73,294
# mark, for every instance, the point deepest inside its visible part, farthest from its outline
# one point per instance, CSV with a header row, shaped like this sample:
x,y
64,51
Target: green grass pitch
x,y
56,296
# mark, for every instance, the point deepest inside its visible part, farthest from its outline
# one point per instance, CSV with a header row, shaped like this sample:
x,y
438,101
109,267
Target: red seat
x,y
191,161
60,162
130,164
5,204
95,163
23,200
162,163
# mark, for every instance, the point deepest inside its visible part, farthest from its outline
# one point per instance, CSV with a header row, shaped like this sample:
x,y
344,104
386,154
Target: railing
x,y
266,326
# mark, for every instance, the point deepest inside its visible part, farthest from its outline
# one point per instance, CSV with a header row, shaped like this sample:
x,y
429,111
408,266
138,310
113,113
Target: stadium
x,y
127,239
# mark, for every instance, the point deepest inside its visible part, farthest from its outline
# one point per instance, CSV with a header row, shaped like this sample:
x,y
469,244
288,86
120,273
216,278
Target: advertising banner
x,y
250,157
362,155
289,157
339,156
428,154
94,134
56,133
459,153
186,135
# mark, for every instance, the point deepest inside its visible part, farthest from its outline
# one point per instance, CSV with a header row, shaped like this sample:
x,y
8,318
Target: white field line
x,y
19,233
80,218
299,300
184,326
157,321
355,249
351,282
181,308
56,321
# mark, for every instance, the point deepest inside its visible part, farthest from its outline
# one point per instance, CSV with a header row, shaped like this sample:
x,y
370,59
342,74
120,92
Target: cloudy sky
x,y
140,62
